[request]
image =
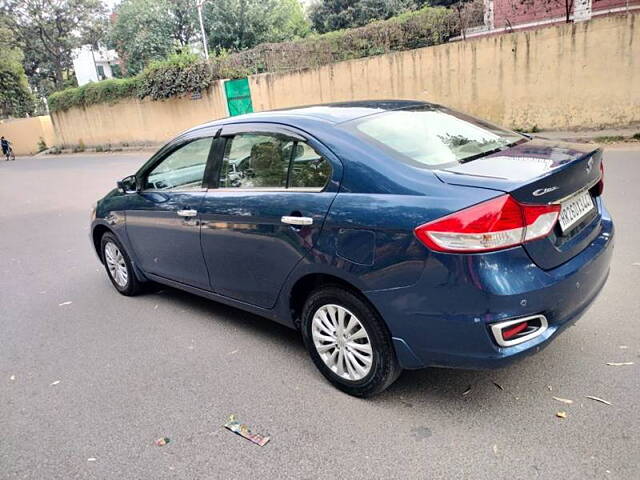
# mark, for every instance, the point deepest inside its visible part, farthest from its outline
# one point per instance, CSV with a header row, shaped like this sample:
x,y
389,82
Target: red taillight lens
x,y
498,223
599,187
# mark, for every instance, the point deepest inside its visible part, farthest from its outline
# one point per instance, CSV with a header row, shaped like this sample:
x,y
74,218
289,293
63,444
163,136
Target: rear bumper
x,y
444,319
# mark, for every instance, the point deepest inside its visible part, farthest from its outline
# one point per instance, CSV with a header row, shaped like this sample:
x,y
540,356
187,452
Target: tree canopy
x,y
16,99
48,30
329,15
242,24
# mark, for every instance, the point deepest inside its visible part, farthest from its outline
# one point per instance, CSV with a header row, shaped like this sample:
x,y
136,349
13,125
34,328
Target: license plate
x,y
574,210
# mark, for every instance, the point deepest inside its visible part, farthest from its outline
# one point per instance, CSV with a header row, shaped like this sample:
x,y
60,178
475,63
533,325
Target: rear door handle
x,y
297,220
187,213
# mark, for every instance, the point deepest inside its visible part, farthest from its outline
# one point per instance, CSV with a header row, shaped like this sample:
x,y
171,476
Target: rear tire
x,y
118,266
348,342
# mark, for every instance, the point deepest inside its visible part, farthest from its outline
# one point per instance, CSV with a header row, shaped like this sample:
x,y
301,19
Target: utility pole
x,y
200,4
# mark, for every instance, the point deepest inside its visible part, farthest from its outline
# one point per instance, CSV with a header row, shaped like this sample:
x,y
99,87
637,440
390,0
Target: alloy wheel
x,y
116,264
342,342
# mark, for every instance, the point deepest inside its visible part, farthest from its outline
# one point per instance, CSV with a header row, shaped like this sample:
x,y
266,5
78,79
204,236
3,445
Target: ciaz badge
x,y
542,191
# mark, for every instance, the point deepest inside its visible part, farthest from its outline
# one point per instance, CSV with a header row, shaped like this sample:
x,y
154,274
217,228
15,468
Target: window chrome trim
x,y
496,330
269,189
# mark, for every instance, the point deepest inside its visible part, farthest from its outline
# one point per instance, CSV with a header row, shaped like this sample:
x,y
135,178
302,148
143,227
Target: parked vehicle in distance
x,y
393,234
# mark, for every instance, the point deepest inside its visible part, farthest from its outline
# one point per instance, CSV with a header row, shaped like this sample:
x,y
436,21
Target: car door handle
x,y
187,213
297,220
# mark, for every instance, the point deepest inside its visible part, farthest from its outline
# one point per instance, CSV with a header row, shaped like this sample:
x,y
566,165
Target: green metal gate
x,y
238,96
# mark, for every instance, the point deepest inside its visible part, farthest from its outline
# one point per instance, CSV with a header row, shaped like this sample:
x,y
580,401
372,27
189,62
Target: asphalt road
x,y
131,370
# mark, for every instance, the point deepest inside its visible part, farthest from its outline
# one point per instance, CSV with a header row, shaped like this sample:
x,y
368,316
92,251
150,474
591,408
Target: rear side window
x,y
183,169
308,168
258,161
432,136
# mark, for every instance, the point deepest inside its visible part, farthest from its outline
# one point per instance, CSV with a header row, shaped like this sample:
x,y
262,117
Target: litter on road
x,y
243,430
162,441
54,383
563,400
12,378
91,459
561,414
64,303
498,386
619,364
598,400
467,391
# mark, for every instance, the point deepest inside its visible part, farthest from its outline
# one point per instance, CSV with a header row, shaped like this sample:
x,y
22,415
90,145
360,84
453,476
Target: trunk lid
x,y
541,172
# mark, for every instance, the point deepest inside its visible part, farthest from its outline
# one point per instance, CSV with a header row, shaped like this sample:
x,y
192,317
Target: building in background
x,y
92,65
508,15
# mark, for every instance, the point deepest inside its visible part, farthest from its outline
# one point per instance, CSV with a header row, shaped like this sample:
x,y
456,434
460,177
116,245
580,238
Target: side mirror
x,y
128,184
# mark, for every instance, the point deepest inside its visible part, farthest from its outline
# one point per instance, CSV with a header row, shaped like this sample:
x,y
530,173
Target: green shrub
x,y
79,148
180,74
42,145
186,73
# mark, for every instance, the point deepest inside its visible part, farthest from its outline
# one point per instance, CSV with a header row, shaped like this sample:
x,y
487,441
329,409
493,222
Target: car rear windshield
x,y
432,136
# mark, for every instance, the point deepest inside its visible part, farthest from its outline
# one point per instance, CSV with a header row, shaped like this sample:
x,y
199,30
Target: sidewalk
x,y
606,135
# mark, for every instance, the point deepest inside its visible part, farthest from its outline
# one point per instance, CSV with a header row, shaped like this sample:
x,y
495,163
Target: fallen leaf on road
x,y
64,303
598,400
619,364
467,391
243,430
54,383
498,386
563,400
561,414
162,441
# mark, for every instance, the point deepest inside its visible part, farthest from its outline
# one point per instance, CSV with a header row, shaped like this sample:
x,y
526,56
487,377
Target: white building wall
x,y
86,60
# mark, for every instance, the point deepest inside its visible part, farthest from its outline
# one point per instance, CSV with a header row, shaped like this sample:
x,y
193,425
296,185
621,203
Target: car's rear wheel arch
x,y
311,282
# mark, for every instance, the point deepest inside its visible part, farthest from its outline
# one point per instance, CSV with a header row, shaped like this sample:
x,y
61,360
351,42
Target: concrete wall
x,y
583,75
136,121
25,133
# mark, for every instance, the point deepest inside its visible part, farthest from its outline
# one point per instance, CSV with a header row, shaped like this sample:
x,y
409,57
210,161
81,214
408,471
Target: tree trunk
x,y
58,72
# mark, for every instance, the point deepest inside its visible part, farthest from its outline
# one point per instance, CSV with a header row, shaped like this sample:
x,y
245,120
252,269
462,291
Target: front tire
x,y
118,266
348,342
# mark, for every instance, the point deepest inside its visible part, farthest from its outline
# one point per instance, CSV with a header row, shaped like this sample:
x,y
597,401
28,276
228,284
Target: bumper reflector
x,y
520,330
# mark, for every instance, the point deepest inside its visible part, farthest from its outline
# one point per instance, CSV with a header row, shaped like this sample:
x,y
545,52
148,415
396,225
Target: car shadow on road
x,y
427,386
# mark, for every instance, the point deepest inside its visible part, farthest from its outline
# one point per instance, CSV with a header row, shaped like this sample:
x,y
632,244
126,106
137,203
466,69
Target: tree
x,y
16,99
241,24
48,31
146,30
329,15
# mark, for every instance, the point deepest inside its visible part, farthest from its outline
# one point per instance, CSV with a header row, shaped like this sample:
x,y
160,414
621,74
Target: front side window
x,y
183,169
432,136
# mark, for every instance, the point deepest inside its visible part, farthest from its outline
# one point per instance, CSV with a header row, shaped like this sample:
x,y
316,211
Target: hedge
x,y
183,74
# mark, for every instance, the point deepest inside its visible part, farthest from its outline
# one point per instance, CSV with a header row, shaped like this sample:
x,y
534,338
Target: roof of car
x,y
331,113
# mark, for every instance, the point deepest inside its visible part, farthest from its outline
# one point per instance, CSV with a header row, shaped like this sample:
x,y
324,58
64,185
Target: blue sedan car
x,y
392,234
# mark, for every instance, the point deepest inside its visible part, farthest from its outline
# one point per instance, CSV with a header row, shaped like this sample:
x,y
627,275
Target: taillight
x,y
599,187
498,223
